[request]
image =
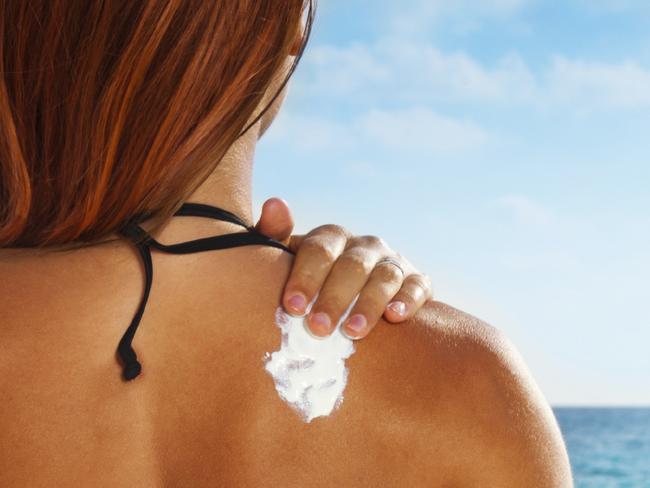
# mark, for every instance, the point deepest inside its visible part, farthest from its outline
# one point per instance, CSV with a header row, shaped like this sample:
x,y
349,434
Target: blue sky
x,y
502,146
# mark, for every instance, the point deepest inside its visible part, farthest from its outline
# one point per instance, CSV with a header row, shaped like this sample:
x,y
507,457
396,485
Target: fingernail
x,y
356,323
397,307
297,302
320,320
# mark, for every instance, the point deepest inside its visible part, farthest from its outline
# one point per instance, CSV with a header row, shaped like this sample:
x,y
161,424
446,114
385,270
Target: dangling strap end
x,y
132,366
132,370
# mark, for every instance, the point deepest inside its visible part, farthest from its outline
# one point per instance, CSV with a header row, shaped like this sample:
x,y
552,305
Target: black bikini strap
x,y
144,242
190,209
132,366
223,241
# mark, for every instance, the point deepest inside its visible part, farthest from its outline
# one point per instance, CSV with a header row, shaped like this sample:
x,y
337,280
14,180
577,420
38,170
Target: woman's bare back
x,y
433,402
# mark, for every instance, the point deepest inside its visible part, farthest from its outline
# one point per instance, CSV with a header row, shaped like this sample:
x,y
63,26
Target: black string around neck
x,y
144,242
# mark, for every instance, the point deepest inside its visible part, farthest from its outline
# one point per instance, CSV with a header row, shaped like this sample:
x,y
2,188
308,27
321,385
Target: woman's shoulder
x,y
441,398
458,389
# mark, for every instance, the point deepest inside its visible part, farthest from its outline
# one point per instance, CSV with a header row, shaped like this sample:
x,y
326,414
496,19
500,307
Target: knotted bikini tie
x,y
144,242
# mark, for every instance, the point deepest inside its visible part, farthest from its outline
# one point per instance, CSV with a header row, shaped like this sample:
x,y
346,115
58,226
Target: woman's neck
x,y
230,184
229,187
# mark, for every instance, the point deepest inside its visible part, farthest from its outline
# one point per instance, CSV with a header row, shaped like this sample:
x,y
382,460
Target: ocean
x,y
608,447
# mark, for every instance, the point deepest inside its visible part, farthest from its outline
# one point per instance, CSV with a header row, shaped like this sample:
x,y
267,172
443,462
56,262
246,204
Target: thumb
x,y
276,220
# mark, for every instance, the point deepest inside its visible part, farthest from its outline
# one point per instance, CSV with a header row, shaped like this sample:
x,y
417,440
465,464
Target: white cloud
x,y
418,73
413,130
420,130
586,85
525,211
344,70
308,132
412,71
431,74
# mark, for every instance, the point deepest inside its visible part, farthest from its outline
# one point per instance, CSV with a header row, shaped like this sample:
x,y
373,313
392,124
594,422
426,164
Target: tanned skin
x,y
442,400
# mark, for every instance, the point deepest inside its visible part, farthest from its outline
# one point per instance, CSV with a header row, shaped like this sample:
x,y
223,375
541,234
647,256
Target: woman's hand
x,y
342,266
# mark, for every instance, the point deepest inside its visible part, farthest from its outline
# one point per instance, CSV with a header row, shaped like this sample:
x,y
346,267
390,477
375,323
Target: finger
x,y
295,241
384,282
313,261
415,290
276,220
345,281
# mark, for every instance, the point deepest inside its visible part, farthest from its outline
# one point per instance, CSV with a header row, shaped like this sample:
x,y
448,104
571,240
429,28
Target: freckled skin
x,y
442,400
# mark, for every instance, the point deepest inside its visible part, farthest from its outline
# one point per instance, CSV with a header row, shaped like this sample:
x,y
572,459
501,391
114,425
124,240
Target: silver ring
x,y
392,261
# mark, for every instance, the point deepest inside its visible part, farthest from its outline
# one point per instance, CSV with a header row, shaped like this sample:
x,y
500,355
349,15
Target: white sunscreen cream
x,y
309,372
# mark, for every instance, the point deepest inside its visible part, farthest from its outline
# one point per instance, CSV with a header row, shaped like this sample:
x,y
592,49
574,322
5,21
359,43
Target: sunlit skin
x,y
330,259
442,400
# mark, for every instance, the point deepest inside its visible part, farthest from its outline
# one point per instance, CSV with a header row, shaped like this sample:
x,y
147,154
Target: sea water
x,y
608,447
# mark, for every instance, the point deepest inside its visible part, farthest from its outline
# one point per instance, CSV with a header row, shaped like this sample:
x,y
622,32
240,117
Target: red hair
x,y
113,109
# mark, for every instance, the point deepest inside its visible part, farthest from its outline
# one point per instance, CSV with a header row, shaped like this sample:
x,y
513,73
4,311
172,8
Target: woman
x,y
115,116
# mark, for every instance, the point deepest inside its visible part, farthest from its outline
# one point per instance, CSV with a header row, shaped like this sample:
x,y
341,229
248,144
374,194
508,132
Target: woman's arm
x,y
338,266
